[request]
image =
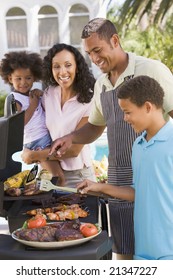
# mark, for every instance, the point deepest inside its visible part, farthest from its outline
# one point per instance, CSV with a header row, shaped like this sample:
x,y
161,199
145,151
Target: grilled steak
x,y
44,234
74,224
53,232
68,234
68,231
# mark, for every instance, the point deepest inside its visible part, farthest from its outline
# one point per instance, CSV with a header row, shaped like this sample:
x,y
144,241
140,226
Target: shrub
x,y
2,100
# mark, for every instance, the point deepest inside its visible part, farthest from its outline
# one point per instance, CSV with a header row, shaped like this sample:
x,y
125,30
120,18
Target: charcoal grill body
x,y
11,139
12,208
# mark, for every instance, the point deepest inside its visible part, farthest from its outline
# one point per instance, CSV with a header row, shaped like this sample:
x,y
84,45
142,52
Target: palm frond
x,y
163,9
132,8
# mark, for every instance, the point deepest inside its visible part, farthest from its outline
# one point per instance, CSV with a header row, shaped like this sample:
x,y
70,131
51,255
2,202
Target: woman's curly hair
x,y
84,80
21,59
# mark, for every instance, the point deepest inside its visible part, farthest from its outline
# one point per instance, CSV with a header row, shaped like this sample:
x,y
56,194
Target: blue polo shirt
x,y
152,163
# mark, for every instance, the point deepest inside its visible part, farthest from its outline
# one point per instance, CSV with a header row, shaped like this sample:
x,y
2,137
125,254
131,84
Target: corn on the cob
x,y
17,180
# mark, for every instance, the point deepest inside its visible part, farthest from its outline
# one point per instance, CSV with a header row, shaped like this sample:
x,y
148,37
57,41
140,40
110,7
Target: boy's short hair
x,y
102,26
141,89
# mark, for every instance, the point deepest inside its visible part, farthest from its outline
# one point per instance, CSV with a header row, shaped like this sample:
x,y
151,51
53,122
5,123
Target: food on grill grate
x,y
26,181
71,198
16,181
13,191
61,212
26,191
63,215
67,199
31,189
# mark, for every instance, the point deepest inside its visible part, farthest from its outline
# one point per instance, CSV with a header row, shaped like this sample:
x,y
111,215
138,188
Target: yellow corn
x,y
17,180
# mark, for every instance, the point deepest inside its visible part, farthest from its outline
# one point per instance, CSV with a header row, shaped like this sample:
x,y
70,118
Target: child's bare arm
x,y
121,192
34,99
30,156
53,166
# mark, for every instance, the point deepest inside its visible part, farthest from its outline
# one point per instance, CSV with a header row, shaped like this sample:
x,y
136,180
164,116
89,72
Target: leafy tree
x,y
2,101
156,9
153,42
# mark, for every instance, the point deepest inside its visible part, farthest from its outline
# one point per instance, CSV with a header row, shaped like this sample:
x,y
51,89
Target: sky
x,y
119,2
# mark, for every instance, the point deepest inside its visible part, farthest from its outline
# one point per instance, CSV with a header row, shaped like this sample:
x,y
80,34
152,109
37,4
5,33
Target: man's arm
x,y
85,135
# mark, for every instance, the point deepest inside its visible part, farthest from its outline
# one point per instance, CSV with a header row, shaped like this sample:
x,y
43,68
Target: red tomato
x,y
88,229
36,222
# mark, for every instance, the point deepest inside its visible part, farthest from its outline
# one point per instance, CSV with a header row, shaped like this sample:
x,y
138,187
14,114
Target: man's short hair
x,y
102,26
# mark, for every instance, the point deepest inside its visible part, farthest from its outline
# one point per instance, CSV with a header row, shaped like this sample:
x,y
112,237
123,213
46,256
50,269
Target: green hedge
x,y
2,100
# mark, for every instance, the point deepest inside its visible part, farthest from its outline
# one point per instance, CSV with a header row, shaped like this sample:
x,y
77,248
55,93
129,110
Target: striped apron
x,y
120,139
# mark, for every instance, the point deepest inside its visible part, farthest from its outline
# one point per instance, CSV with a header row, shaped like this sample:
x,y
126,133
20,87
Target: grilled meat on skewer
x,y
61,212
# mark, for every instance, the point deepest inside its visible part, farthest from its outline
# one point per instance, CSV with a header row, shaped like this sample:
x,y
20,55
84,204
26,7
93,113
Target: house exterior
x,y
36,25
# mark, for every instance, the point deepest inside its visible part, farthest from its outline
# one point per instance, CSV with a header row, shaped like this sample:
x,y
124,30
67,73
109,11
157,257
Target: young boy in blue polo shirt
x,y
141,100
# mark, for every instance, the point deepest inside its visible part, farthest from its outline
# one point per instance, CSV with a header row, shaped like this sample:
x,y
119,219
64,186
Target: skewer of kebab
x,y
61,212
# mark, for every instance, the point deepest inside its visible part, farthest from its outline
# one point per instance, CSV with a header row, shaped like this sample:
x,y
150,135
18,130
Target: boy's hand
x,y
87,185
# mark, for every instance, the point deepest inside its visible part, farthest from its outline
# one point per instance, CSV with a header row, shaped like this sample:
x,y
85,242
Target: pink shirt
x,y
63,121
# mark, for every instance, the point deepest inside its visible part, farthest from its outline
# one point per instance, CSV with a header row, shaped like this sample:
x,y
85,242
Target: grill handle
x,y
10,107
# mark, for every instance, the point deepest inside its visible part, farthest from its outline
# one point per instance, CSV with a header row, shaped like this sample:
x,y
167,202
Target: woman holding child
x,y
67,101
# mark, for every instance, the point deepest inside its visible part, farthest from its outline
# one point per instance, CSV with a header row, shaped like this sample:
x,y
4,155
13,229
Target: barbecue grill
x,y
13,208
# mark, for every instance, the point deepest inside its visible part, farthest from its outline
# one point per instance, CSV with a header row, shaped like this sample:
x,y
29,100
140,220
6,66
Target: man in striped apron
x,y
120,138
102,44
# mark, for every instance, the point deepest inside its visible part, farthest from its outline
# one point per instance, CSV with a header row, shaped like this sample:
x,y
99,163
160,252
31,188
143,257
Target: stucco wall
x,y
96,8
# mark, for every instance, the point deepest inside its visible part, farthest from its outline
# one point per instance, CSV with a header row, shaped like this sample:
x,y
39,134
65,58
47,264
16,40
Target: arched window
x,y
78,18
16,29
48,28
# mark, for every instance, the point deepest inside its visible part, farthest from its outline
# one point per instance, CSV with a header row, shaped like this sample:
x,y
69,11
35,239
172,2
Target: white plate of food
x,y
52,244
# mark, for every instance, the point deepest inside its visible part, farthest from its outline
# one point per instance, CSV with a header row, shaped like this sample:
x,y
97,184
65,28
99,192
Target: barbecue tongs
x,y
46,186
